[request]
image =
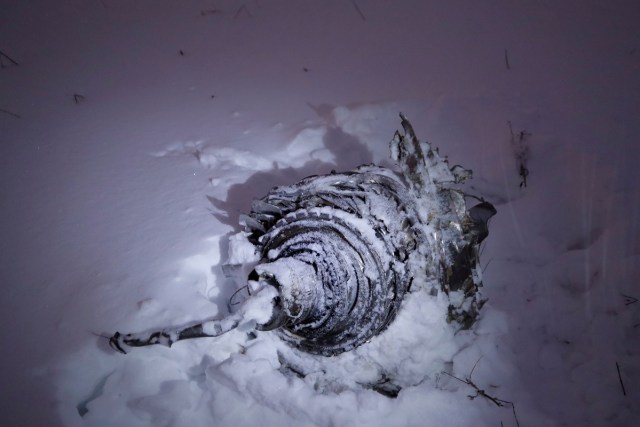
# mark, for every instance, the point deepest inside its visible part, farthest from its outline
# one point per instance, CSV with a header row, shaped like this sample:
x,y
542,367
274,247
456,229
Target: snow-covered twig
x,y
480,392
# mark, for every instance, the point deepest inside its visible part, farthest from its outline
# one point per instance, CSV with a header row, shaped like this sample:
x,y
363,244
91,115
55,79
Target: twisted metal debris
x,y
340,251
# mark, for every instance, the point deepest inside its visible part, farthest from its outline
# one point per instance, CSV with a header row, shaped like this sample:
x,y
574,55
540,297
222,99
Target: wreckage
x,y
339,252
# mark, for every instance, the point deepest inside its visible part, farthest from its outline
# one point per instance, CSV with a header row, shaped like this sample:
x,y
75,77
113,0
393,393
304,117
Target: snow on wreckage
x,y
337,253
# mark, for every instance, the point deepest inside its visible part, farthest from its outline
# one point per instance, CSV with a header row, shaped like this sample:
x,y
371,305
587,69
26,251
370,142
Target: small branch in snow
x,y
628,300
210,12
17,116
506,59
484,270
522,135
624,392
479,392
77,98
474,367
3,57
355,5
482,246
524,173
244,9
521,150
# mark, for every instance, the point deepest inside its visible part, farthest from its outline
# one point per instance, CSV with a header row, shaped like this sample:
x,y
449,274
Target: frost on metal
x,y
339,252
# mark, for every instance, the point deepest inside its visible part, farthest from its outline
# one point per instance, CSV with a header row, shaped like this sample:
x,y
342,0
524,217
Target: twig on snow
x,y
522,135
77,98
210,12
624,392
17,116
521,150
474,367
355,5
506,59
484,270
628,299
480,392
4,56
246,12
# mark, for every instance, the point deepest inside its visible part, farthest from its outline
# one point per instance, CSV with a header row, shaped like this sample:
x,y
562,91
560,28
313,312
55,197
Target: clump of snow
x,y
241,251
259,307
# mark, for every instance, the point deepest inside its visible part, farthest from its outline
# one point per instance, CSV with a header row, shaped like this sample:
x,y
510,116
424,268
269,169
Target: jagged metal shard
x,y
342,250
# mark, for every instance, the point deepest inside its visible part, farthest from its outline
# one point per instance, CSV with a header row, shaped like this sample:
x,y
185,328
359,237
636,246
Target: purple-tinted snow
x,y
117,203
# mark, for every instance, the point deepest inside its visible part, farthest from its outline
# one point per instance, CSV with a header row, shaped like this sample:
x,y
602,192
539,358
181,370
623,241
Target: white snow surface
x,y
118,205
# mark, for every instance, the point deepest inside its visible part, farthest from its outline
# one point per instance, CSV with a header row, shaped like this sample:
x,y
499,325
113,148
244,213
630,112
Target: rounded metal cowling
x,y
335,246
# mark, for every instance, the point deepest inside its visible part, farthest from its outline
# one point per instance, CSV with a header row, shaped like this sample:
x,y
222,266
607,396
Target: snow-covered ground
x,y
134,133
